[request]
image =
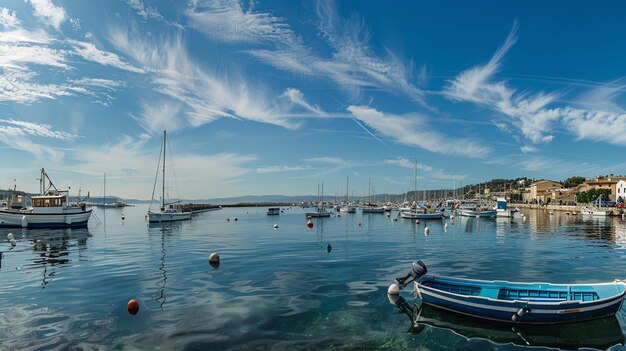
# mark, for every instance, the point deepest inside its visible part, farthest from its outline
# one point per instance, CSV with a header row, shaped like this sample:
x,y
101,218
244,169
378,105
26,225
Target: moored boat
x,y
273,211
51,209
167,212
482,213
512,302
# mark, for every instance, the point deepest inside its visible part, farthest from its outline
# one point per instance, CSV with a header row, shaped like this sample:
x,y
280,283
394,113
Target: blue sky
x,y
274,97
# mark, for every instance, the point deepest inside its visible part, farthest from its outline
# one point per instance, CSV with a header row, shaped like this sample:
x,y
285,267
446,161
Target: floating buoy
x,y
133,307
338,215
235,219
417,221
452,217
329,248
214,257
123,217
10,237
426,230
275,226
359,224
393,289
227,219
388,215
309,224
445,225
395,219
309,217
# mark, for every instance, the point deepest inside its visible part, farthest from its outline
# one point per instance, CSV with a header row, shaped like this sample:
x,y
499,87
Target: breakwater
x,y
572,209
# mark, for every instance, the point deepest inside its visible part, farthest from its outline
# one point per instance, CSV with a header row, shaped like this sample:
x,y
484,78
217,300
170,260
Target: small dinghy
x,y
524,303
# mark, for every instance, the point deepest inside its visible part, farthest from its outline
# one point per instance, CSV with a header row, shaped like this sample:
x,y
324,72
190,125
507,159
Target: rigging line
x,y
155,178
177,192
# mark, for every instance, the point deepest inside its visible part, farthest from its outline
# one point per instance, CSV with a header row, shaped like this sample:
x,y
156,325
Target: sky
x,y
277,97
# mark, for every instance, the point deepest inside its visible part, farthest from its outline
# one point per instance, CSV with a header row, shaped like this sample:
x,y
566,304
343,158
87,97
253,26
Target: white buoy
x,y
452,217
275,226
214,257
426,230
393,289
123,217
10,237
417,221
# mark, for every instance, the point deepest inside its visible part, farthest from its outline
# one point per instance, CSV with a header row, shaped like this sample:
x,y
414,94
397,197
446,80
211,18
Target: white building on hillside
x,y
620,190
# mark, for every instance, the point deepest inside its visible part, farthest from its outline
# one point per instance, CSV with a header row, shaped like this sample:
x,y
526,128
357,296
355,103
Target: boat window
x,y
46,203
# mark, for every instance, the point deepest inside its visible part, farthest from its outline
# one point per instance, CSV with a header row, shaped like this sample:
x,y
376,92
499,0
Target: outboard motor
x,y
418,269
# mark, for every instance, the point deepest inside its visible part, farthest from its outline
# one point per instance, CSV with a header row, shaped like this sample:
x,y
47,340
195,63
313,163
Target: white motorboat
x,y
167,212
51,209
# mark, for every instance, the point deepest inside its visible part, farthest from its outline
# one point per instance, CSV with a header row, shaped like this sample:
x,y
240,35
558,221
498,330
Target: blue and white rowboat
x,y
525,303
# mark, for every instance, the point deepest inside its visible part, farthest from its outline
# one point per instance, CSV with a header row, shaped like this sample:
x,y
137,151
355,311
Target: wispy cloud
x,y
528,149
528,113
281,169
49,13
149,12
406,163
17,134
206,95
90,52
414,130
155,118
431,172
337,161
353,65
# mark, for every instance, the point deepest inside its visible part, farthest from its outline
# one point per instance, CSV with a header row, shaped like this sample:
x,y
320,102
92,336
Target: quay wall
x,y
572,209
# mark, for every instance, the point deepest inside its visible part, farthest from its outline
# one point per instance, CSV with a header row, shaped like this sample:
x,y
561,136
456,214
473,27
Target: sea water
x,y
290,287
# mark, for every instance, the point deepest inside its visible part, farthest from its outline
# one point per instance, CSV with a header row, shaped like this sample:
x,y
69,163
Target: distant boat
x,y
273,211
50,209
320,211
167,212
482,213
596,211
414,211
523,303
502,208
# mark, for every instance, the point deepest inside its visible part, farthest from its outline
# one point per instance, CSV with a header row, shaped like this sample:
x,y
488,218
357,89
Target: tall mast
x,y
104,201
163,193
415,182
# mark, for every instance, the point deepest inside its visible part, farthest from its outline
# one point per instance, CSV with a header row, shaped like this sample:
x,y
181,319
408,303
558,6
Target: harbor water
x,y
291,287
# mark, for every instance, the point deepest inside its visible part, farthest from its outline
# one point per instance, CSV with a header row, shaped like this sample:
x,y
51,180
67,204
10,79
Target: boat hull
x,y
66,219
481,214
373,210
538,312
318,214
159,217
411,215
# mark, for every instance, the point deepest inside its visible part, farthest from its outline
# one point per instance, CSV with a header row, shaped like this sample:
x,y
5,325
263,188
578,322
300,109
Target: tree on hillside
x,y
573,182
592,194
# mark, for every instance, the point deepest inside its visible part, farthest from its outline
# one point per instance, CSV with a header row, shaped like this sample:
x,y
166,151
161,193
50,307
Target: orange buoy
x,y
133,307
309,224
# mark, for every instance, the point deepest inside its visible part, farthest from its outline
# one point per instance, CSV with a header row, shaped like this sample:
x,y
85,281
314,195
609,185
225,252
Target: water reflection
x,y
165,231
52,248
599,333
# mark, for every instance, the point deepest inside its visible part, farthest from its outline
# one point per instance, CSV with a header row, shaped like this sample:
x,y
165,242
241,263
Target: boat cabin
x,y
49,201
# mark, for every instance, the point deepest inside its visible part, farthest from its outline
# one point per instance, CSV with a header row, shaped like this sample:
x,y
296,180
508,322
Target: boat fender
x,y
519,314
24,222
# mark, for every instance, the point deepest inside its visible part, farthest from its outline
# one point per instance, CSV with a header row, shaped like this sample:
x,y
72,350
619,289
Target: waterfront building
x,y
543,191
620,193
605,182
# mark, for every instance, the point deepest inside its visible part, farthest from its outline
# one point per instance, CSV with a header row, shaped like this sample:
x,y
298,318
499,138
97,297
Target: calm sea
x,y
283,289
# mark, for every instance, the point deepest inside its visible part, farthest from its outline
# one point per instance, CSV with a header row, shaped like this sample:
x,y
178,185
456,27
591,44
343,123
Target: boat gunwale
x,y
29,212
539,303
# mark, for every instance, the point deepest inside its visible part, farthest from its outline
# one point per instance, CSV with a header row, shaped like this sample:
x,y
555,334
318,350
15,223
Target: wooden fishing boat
x,y
524,303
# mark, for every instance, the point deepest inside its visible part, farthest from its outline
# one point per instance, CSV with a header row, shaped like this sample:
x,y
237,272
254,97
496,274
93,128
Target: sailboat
x,y
347,207
104,204
321,211
415,212
369,207
167,213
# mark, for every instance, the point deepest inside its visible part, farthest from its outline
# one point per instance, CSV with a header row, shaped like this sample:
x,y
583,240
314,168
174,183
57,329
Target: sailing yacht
x,y
347,208
369,207
321,211
167,212
416,212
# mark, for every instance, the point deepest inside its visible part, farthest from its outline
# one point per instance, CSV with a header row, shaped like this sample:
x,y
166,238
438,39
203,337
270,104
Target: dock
x,y
572,209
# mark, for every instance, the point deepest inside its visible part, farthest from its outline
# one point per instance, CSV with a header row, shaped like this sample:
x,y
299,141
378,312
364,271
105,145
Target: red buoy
x,y
309,224
133,307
